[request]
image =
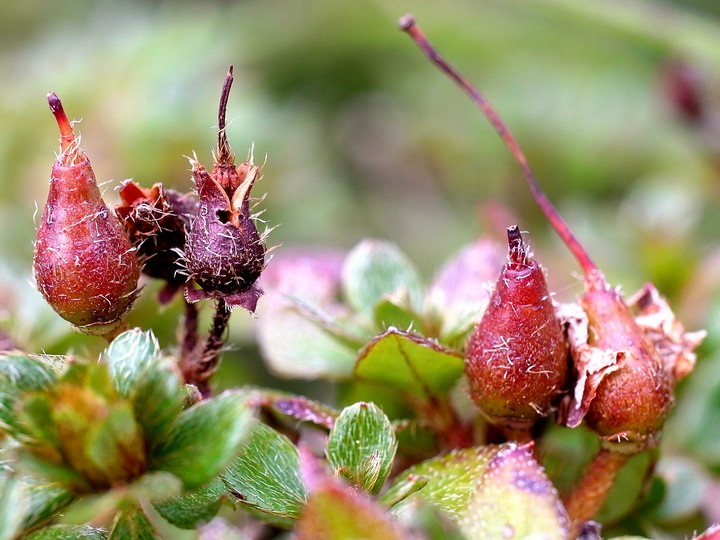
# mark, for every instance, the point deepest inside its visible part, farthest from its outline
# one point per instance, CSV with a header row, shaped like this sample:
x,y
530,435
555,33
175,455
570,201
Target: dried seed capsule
x,y
84,265
516,360
225,253
156,220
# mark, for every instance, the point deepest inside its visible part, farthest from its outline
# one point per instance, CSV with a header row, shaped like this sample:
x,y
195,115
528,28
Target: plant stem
x,y
190,333
210,358
196,365
584,501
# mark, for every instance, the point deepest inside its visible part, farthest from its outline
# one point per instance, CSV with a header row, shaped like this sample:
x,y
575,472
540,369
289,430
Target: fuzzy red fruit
x,y
84,265
516,360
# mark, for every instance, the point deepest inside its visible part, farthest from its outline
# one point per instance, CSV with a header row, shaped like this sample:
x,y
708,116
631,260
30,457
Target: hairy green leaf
x,y
128,356
204,439
266,476
410,363
362,445
68,532
193,507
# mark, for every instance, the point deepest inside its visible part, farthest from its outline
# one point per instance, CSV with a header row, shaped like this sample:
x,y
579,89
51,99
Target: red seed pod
x,y
624,383
516,360
225,253
84,265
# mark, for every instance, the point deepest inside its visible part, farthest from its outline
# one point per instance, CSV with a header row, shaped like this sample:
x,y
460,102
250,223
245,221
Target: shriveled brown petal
x,y
666,332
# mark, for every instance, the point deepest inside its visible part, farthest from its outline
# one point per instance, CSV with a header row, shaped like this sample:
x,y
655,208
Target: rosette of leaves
x,y
99,442
366,317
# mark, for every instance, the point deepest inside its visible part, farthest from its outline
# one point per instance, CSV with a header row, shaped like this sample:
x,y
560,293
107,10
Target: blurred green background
x,y
363,137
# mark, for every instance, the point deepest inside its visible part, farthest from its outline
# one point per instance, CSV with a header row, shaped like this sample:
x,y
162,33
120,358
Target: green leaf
x,y
362,445
68,532
128,356
18,374
132,524
410,363
685,486
158,399
461,290
266,476
450,479
336,510
627,488
193,507
204,438
514,495
297,347
390,314
26,372
375,269
45,501
13,500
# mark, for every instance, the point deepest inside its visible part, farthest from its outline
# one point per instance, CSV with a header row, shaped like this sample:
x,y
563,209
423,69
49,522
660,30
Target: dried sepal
x,y
667,334
157,220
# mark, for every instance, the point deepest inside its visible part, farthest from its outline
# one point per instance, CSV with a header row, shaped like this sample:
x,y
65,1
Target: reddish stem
x,y
590,493
407,24
224,151
66,130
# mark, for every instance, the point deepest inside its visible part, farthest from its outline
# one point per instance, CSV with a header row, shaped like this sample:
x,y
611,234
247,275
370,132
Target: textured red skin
x,y
516,360
84,265
633,401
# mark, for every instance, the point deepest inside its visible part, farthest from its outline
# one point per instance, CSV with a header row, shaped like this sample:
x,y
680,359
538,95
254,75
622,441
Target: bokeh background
x,y
616,104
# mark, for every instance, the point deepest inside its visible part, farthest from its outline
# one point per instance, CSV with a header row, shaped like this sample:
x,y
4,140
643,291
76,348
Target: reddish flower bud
x,y
156,220
225,253
632,400
84,265
516,360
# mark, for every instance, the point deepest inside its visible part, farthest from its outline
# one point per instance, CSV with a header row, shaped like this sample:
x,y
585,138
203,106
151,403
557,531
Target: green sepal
x,y
45,500
13,500
20,373
158,398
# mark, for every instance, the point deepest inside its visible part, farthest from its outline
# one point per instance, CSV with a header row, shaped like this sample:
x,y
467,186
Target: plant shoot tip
x,y
54,102
406,22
